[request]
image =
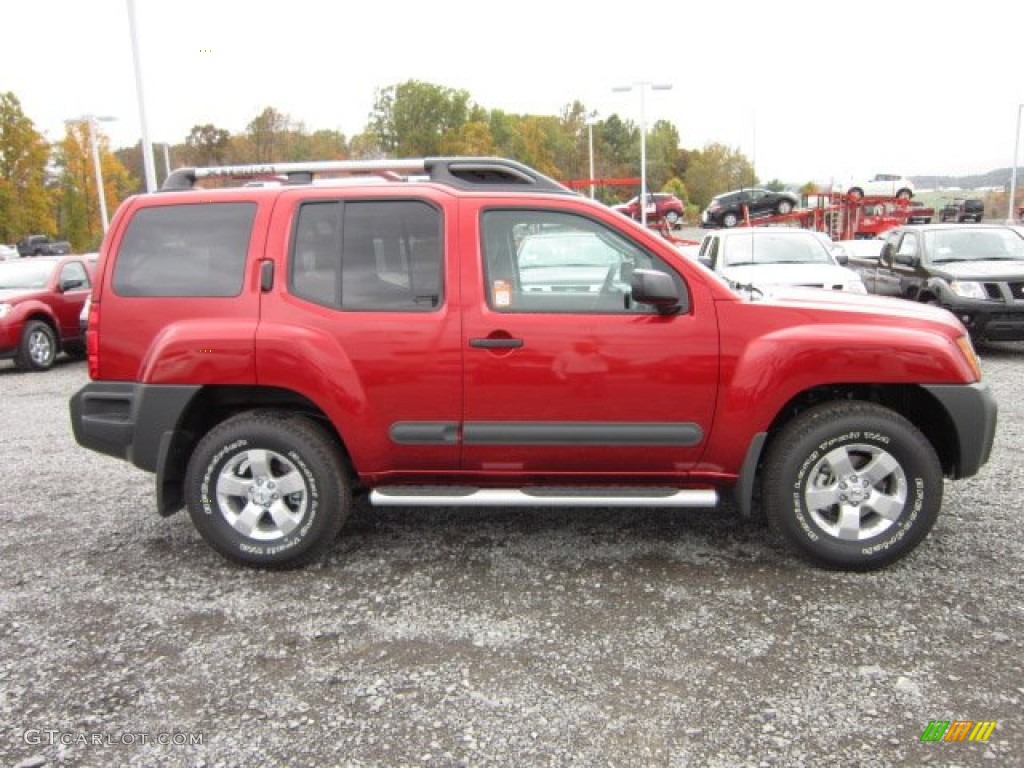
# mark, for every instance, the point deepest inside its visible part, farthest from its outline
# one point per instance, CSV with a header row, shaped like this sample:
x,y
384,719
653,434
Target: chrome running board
x,y
457,496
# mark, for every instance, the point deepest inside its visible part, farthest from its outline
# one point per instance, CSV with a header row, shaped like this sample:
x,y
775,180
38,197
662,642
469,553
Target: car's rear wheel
x,y
904,194
730,220
852,485
784,207
855,192
38,348
672,218
268,489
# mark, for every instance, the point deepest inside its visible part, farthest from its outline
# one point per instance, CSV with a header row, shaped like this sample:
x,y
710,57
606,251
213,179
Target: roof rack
x,y
466,173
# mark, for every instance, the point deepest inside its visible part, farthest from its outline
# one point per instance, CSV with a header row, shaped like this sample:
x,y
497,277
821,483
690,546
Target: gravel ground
x,y
491,638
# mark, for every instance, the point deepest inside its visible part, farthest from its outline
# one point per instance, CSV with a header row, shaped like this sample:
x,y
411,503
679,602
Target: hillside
x,y
998,178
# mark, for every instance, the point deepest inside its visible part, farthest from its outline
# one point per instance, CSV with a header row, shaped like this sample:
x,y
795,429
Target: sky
x,y
806,90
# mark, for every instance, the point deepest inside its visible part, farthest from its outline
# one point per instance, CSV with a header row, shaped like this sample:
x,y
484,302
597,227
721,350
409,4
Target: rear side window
x,y
379,255
185,250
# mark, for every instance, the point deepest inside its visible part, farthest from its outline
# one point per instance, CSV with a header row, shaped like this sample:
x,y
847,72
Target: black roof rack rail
x,y
466,173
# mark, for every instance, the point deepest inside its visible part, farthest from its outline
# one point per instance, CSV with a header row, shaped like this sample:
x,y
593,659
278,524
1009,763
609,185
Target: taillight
x,y
92,339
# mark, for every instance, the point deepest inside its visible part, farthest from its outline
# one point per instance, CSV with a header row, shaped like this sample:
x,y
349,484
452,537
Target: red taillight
x,y
92,339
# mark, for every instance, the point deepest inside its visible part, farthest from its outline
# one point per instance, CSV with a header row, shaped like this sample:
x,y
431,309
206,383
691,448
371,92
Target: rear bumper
x,y
129,421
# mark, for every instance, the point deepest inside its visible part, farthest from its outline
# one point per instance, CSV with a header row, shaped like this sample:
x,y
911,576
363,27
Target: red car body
x,y
54,298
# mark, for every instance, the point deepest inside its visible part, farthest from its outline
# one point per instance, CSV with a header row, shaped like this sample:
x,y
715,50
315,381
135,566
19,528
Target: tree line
x,y
51,188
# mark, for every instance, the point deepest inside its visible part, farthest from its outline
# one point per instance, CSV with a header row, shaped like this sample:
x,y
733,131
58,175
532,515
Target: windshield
x,y
771,248
23,275
566,250
974,245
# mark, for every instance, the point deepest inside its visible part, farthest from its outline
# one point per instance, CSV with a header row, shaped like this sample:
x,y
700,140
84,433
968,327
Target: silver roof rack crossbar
x,y
462,172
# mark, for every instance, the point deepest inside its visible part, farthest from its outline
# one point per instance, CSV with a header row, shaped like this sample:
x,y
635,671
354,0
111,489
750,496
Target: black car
x,y
727,209
975,271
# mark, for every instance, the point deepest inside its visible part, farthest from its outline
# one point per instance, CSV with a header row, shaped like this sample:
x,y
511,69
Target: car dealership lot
x,y
492,637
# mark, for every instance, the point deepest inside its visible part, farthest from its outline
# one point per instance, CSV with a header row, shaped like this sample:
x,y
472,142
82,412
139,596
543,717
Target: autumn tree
x,y
207,145
25,202
79,203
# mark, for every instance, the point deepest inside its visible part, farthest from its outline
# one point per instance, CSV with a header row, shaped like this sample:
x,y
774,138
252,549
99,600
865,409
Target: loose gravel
x,y
492,637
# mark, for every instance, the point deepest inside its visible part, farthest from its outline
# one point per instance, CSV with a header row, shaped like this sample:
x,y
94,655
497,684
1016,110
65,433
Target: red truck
x,y
40,303
472,333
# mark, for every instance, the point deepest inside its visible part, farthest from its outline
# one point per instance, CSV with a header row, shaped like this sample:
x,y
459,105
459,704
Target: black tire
x,y
852,485
268,489
672,218
904,194
855,192
784,207
730,220
38,347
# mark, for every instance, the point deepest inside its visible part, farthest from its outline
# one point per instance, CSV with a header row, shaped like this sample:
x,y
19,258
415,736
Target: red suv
x,y
470,332
660,207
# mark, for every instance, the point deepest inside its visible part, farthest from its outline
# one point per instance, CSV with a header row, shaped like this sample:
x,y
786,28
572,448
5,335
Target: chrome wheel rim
x,y
262,495
856,492
40,347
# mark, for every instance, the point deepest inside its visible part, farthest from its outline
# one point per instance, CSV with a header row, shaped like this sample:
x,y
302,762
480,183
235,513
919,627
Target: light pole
x,y
643,85
147,146
1010,212
91,121
591,121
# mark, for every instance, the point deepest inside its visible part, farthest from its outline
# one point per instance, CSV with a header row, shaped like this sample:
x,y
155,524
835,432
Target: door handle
x,y
496,343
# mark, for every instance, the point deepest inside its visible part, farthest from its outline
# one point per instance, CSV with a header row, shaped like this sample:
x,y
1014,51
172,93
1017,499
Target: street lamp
x,y
591,121
1010,217
92,120
643,85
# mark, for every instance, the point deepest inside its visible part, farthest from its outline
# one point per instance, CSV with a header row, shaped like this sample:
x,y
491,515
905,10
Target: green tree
x,y
717,169
662,154
26,205
208,145
416,119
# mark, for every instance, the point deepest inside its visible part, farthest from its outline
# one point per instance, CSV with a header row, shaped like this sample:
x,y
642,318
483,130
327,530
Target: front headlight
x,y
968,289
5,310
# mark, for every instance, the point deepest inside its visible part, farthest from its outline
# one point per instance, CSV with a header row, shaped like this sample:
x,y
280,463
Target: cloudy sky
x,y
808,90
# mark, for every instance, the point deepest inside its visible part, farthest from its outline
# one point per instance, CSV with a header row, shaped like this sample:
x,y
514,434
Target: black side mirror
x,y
886,255
649,286
70,284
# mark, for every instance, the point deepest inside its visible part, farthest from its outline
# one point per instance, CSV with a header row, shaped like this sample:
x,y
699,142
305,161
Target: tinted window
x,y
185,250
74,271
368,255
545,261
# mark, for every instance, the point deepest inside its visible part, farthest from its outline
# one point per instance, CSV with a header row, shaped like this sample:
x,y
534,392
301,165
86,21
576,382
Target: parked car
x,y
40,303
727,209
975,271
395,344
660,206
963,209
763,258
882,185
43,245
8,252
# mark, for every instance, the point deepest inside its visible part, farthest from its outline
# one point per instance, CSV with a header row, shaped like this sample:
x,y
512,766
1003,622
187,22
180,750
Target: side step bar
x,y
457,496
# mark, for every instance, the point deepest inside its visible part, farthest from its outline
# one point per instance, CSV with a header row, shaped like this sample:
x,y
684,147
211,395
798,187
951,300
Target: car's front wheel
x,y
852,485
672,218
268,489
784,207
730,220
38,347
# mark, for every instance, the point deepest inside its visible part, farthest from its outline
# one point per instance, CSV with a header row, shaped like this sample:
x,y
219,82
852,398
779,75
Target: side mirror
x,y
705,261
70,284
908,259
842,257
886,255
649,286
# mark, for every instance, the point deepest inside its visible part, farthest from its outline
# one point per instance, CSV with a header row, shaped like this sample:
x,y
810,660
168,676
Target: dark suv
x,y
961,210
468,332
727,209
